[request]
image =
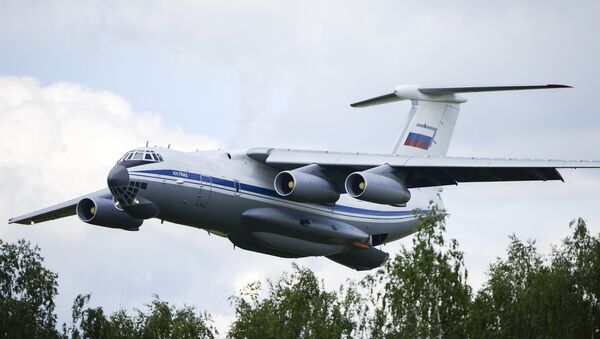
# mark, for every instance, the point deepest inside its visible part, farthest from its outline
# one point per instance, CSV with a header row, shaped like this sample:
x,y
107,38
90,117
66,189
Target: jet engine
x,y
304,185
377,185
103,212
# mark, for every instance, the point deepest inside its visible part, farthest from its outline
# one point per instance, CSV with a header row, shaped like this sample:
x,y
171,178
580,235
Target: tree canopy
x,y
27,291
532,296
160,320
421,291
297,306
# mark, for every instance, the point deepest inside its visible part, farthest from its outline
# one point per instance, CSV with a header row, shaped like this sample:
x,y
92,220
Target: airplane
x,y
298,203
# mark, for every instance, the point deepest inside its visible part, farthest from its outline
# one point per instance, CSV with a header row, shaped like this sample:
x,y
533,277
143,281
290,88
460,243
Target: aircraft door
x,y
204,193
236,187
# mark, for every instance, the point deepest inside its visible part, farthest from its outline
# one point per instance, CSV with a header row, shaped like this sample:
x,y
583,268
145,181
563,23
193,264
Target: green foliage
x,y
122,325
297,306
580,256
27,291
422,291
527,296
161,320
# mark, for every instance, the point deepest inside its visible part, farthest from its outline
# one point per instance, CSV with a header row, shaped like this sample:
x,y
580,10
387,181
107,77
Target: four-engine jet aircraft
x,y
293,203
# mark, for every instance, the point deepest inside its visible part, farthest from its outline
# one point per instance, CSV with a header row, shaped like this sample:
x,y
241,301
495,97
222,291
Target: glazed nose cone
x,y
118,176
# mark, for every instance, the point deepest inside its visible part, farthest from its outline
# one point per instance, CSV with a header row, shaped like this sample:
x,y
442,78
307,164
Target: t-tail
x,y
433,115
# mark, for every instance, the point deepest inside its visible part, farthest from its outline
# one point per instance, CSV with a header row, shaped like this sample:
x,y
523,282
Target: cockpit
x,y
141,156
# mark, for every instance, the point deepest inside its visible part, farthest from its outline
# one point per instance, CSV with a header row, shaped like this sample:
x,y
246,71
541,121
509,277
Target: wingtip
x,y
558,86
22,222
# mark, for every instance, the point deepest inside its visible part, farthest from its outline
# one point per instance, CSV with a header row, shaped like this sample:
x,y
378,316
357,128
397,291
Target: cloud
x,y
58,142
302,64
288,73
297,65
63,134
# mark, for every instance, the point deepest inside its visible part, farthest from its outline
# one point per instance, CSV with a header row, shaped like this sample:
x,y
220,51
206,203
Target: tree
x,y
88,322
27,291
161,320
579,255
498,309
122,325
297,306
529,296
165,321
186,324
423,291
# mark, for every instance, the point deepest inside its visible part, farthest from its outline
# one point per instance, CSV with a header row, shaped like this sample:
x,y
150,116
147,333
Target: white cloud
x,y
58,142
66,137
295,69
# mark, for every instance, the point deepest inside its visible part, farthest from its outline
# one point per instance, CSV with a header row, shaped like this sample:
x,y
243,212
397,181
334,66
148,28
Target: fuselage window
x,y
154,157
148,156
138,156
160,157
129,156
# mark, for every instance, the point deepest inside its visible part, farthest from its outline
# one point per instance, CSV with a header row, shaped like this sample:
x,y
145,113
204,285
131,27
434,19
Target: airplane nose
x,y
118,176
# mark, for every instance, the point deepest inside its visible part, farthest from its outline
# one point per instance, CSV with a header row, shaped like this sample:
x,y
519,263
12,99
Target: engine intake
x,y
103,212
378,185
304,186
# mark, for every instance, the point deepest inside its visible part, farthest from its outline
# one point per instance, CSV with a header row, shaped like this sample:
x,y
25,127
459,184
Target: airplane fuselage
x,y
212,190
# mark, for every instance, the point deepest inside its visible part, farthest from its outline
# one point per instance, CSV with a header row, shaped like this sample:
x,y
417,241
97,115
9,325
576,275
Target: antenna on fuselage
x,y
147,141
169,146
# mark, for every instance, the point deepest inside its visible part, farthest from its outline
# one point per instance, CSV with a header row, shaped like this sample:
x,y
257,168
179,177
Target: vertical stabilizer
x,y
432,118
428,129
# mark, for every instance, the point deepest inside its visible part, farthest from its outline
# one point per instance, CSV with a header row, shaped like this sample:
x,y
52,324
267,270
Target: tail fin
x,y
433,115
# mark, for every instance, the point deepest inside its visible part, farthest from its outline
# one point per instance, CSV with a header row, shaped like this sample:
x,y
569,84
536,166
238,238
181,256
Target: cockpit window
x,y
142,156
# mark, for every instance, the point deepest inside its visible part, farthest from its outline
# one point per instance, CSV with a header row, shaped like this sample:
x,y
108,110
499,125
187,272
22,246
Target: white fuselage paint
x,y
181,188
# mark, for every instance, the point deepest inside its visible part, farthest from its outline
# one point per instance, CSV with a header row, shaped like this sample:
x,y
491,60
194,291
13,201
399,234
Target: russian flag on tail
x,y
418,140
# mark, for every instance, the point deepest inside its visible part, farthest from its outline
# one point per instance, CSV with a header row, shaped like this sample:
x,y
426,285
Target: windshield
x,y
141,156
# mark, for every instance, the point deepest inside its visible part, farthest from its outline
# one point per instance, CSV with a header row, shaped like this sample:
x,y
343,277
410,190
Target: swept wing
x,y
423,171
61,210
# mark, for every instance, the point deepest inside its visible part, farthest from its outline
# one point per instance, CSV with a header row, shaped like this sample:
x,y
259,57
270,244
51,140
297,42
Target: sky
x,y
83,82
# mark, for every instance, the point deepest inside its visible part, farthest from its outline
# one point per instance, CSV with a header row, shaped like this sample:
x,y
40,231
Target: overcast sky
x,y
83,82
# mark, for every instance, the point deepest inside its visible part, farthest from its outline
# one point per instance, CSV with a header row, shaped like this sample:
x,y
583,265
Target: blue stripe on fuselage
x,y
264,191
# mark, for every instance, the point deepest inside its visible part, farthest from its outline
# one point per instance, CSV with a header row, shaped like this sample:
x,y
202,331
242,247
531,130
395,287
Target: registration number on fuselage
x,y
180,174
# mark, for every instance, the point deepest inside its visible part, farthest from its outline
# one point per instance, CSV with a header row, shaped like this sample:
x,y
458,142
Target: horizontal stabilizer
x,y
384,99
443,94
452,90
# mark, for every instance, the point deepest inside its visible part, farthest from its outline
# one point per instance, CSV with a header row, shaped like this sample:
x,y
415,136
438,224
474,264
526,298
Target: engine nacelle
x,y
102,212
301,186
380,188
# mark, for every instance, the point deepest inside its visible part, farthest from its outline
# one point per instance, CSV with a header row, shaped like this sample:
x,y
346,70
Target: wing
x,y
423,171
64,209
